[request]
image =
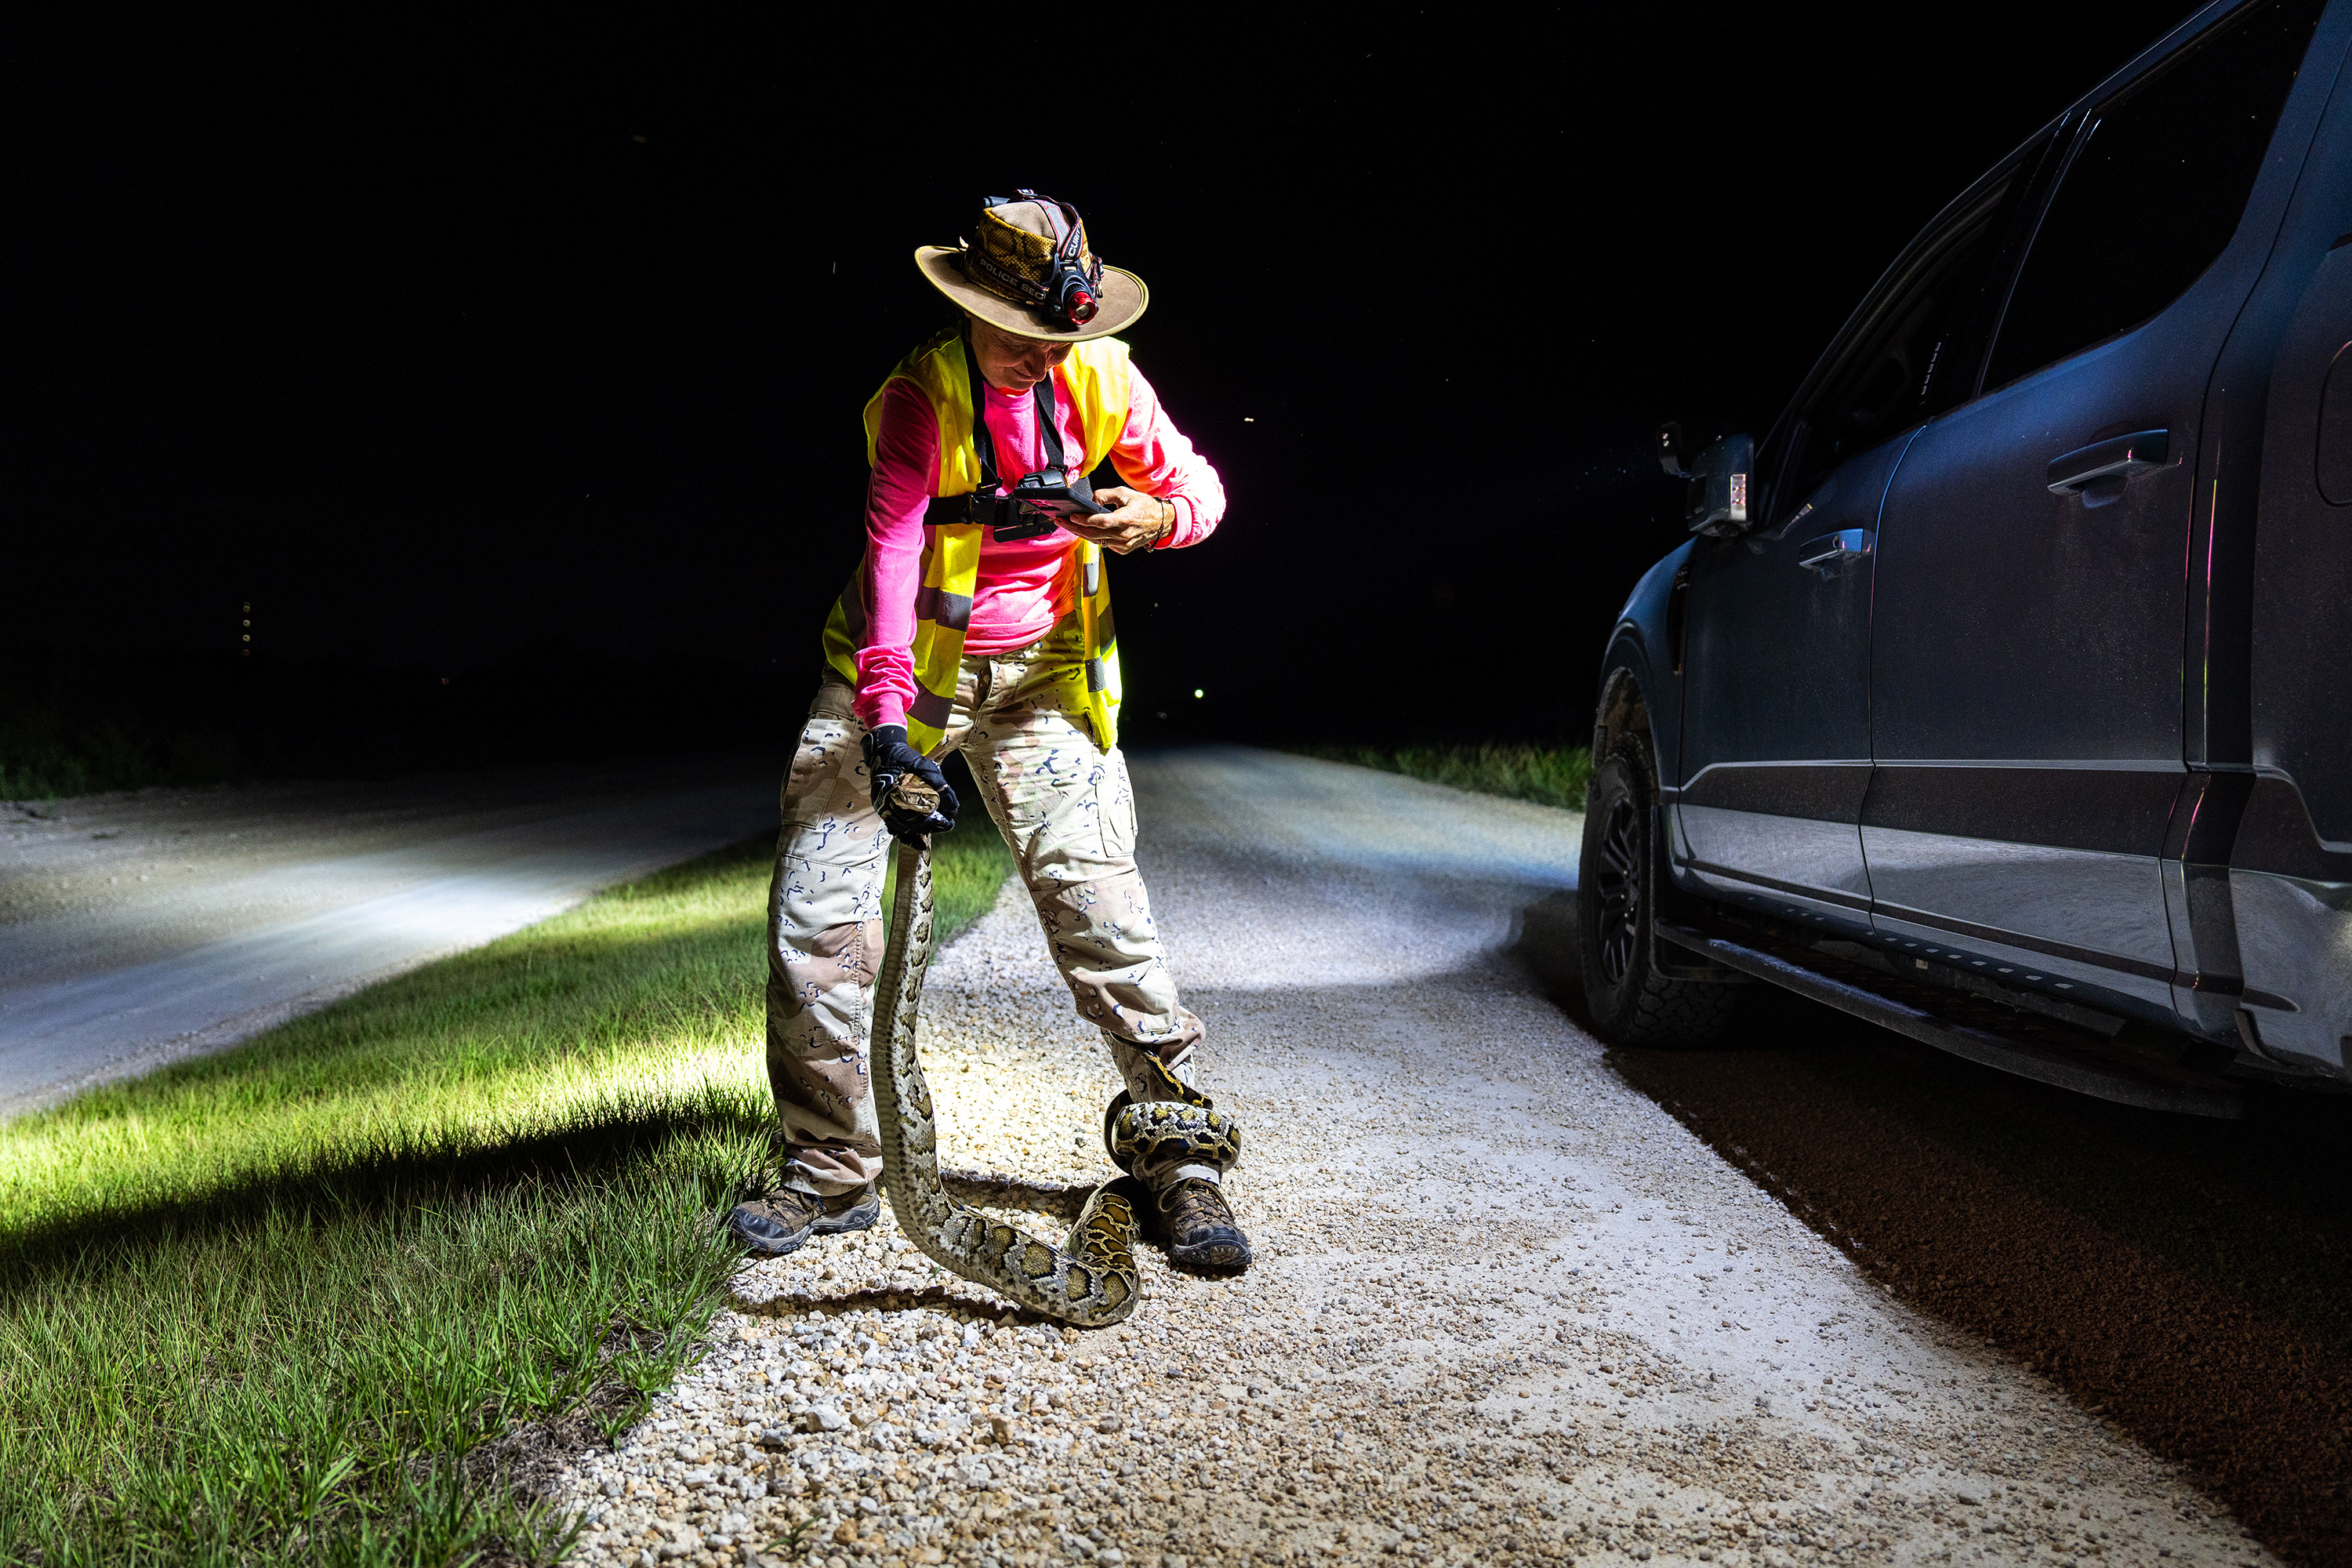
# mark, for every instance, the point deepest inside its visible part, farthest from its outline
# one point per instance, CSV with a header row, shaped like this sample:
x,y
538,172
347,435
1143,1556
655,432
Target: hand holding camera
x,y
1045,501
1125,521
1114,517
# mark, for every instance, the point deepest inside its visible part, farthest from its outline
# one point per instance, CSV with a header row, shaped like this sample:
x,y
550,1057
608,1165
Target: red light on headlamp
x,y
1082,307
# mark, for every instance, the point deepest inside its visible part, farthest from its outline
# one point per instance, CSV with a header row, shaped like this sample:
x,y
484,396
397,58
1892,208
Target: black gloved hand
x,y
908,787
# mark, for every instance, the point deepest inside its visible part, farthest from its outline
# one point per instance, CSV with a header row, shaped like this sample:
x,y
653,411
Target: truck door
x,y
2288,878
1775,753
2026,666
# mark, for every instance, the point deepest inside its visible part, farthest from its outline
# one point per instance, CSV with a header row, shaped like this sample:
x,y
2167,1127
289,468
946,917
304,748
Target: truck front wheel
x,y
1618,884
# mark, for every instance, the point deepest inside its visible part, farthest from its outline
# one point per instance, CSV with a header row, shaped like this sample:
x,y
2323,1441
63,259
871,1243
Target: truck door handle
x,y
2099,471
1823,556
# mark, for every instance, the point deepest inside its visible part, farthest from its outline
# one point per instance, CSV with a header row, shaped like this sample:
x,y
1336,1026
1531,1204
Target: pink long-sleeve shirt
x,y
1023,588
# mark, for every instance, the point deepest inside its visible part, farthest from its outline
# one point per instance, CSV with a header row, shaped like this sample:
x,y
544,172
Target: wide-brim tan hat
x,y
1003,277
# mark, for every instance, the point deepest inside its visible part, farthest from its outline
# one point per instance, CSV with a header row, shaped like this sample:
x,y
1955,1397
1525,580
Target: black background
x,y
533,359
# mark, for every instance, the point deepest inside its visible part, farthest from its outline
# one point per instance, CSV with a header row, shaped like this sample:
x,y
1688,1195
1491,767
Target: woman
x,y
981,624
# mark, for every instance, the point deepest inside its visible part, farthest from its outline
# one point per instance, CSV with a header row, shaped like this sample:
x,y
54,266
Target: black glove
x,y
908,787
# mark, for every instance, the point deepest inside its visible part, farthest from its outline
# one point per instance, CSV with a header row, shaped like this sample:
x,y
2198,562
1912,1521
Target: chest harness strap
x,y
985,505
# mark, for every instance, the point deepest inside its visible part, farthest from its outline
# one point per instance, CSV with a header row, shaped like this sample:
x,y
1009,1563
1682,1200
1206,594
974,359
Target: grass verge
x,y
1548,776
329,1296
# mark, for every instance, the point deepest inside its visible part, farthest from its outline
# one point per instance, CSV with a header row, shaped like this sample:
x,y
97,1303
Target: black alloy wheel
x,y
1632,1002
1619,879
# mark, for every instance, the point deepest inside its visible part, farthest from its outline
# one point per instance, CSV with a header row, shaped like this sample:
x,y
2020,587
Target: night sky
x,y
447,346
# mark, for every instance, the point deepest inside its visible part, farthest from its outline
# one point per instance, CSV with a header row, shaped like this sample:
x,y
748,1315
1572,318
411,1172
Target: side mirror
x,y
1715,498
1673,451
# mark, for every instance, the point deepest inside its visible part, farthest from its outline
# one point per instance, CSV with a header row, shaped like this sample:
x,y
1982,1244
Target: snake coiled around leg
x,y
1091,1278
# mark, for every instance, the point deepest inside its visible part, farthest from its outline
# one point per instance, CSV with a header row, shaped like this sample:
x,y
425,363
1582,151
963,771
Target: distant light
x,y
1198,692
1248,420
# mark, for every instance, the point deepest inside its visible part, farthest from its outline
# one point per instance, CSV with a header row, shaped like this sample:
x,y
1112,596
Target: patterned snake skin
x,y
1091,1278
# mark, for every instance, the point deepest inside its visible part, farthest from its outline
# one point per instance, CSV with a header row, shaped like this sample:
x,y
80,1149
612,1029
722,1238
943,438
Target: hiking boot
x,y
778,1222
1191,1219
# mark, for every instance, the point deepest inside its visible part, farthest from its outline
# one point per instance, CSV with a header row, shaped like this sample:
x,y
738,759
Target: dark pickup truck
x,y
2003,694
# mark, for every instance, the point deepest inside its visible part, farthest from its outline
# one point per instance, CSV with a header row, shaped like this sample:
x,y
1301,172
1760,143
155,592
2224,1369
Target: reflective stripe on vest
x,y
1093,381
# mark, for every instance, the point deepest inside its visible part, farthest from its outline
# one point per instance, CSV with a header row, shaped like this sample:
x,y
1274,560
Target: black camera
x,y
1040,501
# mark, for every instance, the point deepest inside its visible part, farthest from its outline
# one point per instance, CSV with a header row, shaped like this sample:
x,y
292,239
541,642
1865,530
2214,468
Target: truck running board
x,y
1967,1026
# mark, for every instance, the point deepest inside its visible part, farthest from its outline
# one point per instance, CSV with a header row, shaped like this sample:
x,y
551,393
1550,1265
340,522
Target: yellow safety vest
x,y
1093,379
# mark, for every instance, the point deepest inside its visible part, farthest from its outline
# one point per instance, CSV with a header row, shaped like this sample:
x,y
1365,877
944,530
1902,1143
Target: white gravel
x,y
1505,1309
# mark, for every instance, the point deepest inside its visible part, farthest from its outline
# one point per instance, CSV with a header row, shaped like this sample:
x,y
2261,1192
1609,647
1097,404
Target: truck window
x,y
1911,352
2154,191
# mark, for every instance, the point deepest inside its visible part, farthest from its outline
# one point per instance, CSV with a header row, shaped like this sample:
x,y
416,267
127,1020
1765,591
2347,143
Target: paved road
x,y
1507,1308
142,929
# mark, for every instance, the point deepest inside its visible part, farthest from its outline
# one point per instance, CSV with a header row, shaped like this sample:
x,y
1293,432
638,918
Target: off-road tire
x,y
1618,882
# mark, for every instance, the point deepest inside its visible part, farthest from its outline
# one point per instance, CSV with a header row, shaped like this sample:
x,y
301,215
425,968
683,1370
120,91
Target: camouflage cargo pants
x,y
1064,805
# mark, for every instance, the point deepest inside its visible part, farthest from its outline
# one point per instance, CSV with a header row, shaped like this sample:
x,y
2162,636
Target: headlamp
x,y
1071,292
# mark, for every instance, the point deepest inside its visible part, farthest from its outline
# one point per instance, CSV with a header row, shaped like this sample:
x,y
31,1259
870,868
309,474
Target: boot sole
x,y
862,1217
1225,1255
765,1246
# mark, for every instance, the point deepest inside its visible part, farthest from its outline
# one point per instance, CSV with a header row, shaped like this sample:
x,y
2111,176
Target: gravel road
x,y
1507,1308
138,929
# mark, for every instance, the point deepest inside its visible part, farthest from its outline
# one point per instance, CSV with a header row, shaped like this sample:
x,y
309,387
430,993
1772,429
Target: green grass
x,y
304,1301
1548,776
39,762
